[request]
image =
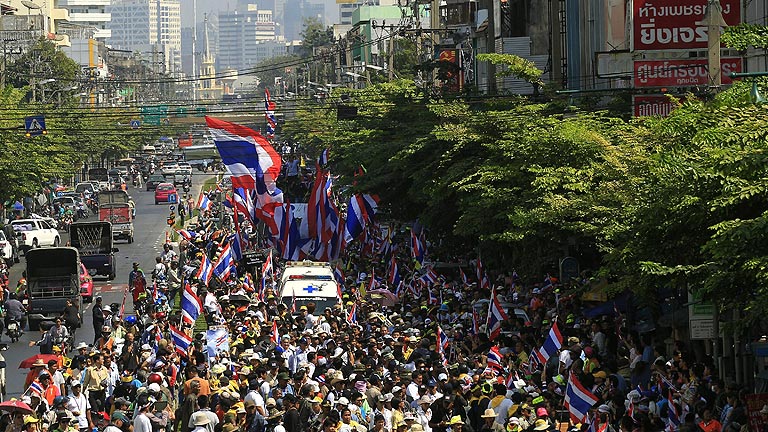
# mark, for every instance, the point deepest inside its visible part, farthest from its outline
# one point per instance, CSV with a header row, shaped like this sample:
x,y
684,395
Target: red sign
x,y
681,73
652,106
755,403
671,24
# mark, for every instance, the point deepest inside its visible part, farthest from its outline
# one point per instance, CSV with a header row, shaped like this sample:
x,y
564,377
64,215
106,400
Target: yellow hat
x,y
30,419
456,420
56,348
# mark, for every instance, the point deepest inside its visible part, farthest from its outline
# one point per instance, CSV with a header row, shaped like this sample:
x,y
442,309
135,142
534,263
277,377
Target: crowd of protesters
x,y
419,365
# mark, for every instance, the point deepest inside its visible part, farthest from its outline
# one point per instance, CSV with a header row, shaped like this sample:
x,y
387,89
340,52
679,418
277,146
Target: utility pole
x,y
713,19
391,60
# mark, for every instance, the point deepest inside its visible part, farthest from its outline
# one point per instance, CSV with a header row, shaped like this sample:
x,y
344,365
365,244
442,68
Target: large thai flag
x,y
496,316
180,340
187,235
552,344
251,161
237,243
674,417
206,270
338,273
316,205
578,400
223,266
191,305
267,269
443,339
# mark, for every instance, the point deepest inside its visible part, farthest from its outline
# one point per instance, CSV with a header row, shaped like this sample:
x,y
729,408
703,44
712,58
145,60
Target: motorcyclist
x,y
71,316
14,311
59,333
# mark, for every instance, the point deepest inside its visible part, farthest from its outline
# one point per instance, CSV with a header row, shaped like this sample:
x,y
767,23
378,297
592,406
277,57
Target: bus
x,y
98,174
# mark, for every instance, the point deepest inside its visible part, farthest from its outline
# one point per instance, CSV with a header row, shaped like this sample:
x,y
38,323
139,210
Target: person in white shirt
x,y
141,422
412,391
203,402
255,397
79,406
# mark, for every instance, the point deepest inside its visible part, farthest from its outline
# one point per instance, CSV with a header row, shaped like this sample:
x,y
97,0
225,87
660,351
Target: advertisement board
x,y
680,73
652,105
671,24
755,403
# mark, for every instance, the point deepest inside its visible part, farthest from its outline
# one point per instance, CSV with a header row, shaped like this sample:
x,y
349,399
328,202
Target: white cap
x,y
154,387
442,377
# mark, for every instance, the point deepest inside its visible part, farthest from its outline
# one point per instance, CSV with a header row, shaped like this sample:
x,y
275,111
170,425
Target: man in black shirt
x,y
71,316
98,319
291,420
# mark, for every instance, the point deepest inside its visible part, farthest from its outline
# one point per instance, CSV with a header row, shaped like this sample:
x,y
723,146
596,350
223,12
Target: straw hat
x,y
200,419
489,413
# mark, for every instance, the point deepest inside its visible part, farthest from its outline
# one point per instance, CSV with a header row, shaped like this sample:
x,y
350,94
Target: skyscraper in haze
x,y
152,27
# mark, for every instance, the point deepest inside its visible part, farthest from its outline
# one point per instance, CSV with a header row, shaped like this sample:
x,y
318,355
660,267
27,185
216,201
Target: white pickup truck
x,y
33,233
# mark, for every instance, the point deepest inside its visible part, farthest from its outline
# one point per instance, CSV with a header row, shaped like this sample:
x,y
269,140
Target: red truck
x,y
115,207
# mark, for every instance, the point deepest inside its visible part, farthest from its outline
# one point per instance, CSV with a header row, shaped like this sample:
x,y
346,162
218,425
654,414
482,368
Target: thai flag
x,y
496,316
475,322
578,400
510,381
674,416
338,273
429,277
352,315
293,303
36,388
187,235
479,269
274,336
269,114
417,249
237,246
266,268
552,344
316,205
323,159
393,278
223,266
206,270
534,362
547,283
464,279
191,305
203,203
443,338
248,282
357,217
180,340
250,160
432,299
494,359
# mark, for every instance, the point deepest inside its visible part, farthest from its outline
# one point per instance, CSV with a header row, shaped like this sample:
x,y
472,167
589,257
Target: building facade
x,y
90,14
243,36
152,27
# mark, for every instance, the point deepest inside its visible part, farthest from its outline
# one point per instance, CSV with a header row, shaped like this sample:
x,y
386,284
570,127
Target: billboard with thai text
x,y
681,73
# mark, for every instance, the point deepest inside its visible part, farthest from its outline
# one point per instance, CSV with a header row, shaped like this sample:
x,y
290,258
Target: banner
x,y
671,24
217,341
681,73
755,403
652,105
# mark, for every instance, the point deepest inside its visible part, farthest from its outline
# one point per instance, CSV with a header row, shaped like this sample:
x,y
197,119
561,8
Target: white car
x,y
7,248
169,168
33,233
186,167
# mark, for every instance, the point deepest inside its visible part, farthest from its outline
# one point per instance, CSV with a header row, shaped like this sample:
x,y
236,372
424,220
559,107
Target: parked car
x,y
154,180
9,249
10,237
86,284
33,233
169,168
166,192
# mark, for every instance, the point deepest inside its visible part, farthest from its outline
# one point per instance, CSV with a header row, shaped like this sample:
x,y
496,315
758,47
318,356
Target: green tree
x,y
314,35
271,68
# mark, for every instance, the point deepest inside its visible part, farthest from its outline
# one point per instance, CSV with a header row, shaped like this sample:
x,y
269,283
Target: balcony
x,y
93,17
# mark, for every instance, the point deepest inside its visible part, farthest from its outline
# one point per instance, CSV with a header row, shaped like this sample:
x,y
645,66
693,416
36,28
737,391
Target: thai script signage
x,y
680,73
652,106
671,24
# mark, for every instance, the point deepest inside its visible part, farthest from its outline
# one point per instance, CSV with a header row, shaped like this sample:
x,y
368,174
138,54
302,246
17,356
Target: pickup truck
x,y
115,207
33,233
52,278
94,242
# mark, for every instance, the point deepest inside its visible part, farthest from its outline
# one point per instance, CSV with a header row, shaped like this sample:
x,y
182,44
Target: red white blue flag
x,y
269,114
496,316
191,305
552,344
180,340
578,400
223,266
206,270
494,359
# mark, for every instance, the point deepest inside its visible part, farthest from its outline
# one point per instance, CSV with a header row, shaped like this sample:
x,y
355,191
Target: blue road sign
x,y
172,198
135,124
35,125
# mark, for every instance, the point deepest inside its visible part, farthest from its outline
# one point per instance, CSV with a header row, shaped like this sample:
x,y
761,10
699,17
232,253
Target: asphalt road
x,y
149,235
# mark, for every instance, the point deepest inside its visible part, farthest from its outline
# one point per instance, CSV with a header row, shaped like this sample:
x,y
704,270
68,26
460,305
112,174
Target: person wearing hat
x,y
200,421
63,423
489,422
141,422
31,424
80,407
423,413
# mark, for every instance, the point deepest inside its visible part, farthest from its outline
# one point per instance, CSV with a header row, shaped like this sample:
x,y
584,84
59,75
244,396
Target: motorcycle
x,y
13,330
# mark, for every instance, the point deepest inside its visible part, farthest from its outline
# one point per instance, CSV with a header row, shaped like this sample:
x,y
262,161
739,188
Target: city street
x,y
149,236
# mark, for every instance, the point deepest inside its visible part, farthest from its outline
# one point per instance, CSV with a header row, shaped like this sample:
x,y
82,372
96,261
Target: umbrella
x,y
27,364
18,206
383,297
15,406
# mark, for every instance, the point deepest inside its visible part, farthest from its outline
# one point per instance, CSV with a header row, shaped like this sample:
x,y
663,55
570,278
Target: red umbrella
x,y
15,406
27,364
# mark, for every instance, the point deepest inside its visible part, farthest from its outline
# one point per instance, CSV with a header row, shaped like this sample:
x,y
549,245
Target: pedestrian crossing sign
x,y
35,125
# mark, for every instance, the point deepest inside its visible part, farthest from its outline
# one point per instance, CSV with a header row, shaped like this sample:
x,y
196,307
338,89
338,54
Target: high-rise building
x,y
240,34
89,13
152,27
